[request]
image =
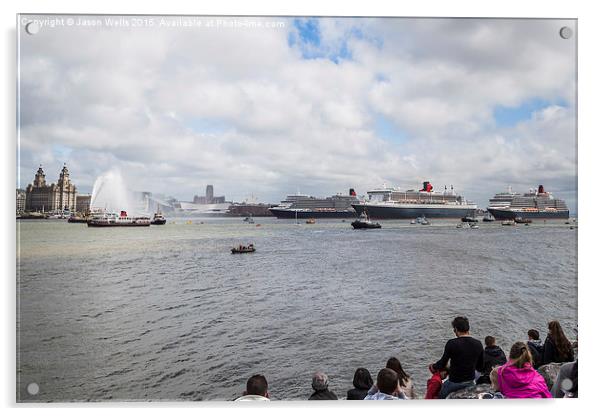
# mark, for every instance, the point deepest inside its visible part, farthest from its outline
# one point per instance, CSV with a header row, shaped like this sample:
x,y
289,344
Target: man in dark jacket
x,y
492,357
319,383
465,355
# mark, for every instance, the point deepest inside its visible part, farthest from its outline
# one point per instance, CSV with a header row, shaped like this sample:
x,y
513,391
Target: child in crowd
x,y
433,385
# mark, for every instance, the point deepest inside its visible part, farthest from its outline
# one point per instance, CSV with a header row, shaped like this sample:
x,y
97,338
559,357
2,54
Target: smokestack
x,y
540,190
352,192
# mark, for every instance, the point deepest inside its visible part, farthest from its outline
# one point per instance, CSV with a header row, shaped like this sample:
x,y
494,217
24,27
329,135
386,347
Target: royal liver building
x,y
54,197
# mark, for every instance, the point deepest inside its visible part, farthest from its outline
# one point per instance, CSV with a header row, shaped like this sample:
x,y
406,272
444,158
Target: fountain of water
x,y
111,194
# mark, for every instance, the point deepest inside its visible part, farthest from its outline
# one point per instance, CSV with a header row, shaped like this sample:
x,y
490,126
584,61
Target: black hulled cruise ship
x,y
533,205
305,206
391,203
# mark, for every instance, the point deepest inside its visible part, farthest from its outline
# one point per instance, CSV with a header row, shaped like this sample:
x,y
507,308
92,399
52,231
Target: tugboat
x,y
243,249
364,222
158,219
111,219
76,218
469,219
488,217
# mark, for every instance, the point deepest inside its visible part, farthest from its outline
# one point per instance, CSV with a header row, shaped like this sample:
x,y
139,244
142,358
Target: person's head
x,y
489,341
257,385
520,354
387,381
443,372
362,379
460,325
319,381
395,365
560,340
533,334
493,378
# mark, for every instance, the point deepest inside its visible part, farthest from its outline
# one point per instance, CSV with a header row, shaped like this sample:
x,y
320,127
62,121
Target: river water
x,y
168,313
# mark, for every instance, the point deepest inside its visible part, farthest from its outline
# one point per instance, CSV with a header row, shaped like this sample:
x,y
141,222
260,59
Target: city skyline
x,y
316,106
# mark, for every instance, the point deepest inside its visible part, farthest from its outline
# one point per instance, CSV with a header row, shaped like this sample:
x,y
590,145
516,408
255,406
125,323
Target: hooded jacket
x,y
492,357
521,383
536,349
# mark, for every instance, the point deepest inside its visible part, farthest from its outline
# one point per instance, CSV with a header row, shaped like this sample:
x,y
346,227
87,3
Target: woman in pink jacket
x,y
517,379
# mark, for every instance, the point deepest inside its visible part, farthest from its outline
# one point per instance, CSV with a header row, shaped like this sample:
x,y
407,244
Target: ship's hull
x,y
286,213
158,222
123,224
407,212
364,225
507,214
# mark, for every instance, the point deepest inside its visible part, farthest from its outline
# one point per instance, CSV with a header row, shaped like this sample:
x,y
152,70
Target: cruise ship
x,y
502,199
534,205
305,206
393,203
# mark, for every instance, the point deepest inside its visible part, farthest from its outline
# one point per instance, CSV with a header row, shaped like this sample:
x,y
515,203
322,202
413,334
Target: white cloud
x,y
239,108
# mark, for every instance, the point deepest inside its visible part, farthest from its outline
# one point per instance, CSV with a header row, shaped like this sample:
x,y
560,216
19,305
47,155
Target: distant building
x,y
20,200
209,198
82,203
42,197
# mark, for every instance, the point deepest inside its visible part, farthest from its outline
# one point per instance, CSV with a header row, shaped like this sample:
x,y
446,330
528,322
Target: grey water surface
x,y
168,313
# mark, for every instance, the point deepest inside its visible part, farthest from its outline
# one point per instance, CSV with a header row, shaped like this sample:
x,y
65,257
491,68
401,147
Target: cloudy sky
x,y
278,105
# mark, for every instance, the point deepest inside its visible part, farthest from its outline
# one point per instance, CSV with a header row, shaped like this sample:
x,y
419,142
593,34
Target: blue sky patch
x,y
510,116
389,131
307,38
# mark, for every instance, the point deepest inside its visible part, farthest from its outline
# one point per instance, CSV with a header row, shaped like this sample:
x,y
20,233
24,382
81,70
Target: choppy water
x,y
167,313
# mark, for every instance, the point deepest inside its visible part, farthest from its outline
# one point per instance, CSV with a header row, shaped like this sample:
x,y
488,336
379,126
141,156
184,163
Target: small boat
x,y
158,219
75,218
469,219
474,226
420,220
520,220
488,217
249,220
310,221
364,222
413,222
508,222
460,225
243,249
425,222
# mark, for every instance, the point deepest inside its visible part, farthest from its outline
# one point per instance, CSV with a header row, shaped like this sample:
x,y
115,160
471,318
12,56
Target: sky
x,y
274,106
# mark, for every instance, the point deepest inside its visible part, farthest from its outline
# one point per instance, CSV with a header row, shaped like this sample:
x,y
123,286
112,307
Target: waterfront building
x,y
40,196
20,200
82,203
208,198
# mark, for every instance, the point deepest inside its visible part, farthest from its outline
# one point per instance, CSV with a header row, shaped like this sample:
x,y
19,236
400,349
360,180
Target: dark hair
x,y
362,379
520,354
258,385
563,346
387,381
489,341
460,324
395,365
533,333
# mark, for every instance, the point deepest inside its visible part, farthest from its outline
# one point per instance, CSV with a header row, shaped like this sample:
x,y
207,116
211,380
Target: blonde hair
x,y
493,378
520,354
